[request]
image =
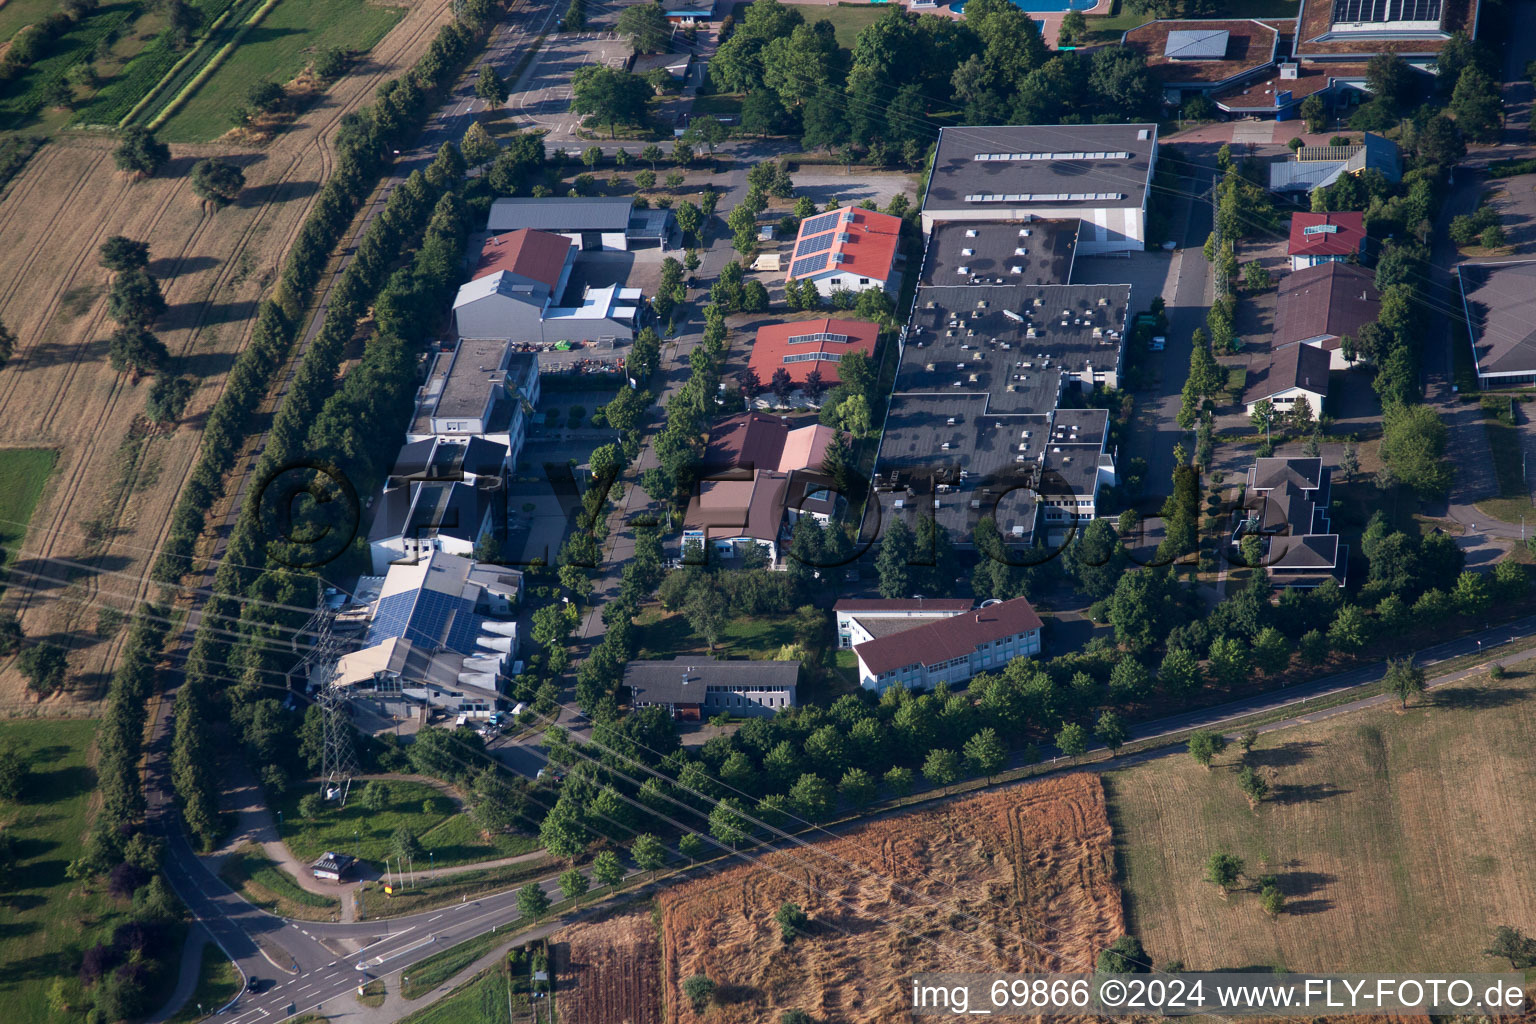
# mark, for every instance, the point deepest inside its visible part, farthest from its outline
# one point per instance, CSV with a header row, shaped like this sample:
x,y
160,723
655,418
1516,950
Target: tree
x,y
404,844
726,824
1511,944
1473,595
1111,731
1263,416
1253,785
648,853
1228,662
1272,900
140,152
699,989
265,97
490,88
311,806
1123,956
899,781
942,768
13,774
1476,105
532,901
217,182
1223,871
690,845
1255,276
646,27
985,753
791,920
135,299
1204,745
7,343
811,796
119,254
10,635
574,884
611,96
1074,26
1072,739
706,128
1404,679
1349,629
136,349
43,668
894,560
375,796
1314,112
1271,650
477,146
857,787
1390,79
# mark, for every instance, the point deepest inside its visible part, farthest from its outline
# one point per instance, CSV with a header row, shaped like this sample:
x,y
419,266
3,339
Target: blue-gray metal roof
x,y
600,213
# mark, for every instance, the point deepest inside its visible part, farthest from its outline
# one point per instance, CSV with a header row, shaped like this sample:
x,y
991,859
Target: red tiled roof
x,y
953,637
1348,237
773,345
749,440
870,251
536,255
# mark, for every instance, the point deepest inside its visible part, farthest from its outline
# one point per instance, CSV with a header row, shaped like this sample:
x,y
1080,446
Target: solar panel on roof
x,y
810,245
1384,11
809,265
825,222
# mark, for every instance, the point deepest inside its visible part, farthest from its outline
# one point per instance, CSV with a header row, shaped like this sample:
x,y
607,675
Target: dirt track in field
x,y
107,506
977,884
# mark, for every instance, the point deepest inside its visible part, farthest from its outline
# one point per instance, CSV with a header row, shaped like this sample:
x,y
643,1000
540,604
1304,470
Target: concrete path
x,y
192,952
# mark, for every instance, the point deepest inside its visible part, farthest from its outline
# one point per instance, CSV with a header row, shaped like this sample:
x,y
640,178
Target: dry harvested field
x,y
1401,839
108,502
966,885
610,971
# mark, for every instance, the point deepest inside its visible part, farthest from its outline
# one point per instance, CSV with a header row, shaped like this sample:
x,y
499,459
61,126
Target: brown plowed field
x,y
972,884
108,502
610,971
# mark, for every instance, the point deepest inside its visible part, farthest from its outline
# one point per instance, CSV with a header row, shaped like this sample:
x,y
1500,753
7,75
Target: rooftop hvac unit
x,y
1288,71
899,503
1019,250
1011,315
962,270
1016,269
951,421
981,303
967,252
970,232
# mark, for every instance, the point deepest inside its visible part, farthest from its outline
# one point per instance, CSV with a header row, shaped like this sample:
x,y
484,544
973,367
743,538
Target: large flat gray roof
x,y
1085,166
560,213
1500,302
988,252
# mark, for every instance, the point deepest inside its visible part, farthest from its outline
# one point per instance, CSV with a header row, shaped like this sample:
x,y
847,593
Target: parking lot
x,y
824,184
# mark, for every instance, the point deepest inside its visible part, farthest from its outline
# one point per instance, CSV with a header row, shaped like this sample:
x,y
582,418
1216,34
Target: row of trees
x,y
362,142
878,98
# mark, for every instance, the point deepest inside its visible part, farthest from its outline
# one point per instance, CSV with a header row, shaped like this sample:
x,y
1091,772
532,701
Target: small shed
x,y
333,867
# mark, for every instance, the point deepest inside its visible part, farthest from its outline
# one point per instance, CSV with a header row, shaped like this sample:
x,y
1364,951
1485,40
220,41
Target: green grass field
x,y
1401,839
47,920
277,50
663,634
848,21
127,84
363,833
425,975
23,106
482,999
256,877
23,473
217,983
17,13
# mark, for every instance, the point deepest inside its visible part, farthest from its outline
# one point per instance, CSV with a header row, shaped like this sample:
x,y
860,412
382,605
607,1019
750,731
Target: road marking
x,y
431,919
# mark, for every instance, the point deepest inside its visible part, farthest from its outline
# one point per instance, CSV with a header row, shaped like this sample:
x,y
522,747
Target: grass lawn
x,y
727,104
425,975
373,994
256,877
23,472
47,921
663,634
366,834
277,50
1379,828
17,13
483,999
1514,497
847,20
217,983
451,889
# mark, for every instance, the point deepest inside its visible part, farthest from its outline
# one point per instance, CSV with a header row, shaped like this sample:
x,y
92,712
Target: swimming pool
x,y
1039,6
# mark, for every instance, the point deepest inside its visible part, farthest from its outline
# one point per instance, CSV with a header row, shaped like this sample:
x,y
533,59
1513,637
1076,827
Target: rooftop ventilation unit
x,y
1011,315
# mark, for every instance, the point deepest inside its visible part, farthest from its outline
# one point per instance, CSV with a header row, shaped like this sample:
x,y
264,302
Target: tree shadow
x,y
1287,755
59,783
1301,794
1475,698
276,191
168,267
